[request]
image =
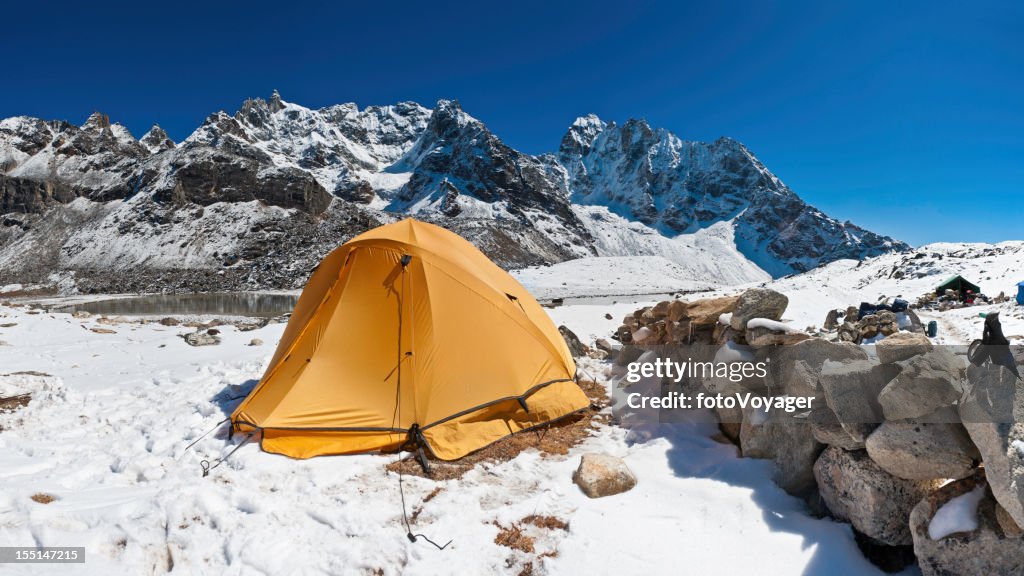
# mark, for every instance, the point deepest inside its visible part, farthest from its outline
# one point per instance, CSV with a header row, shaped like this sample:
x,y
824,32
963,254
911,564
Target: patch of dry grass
x,y
43,498
546,522
514,538
554,438
12,403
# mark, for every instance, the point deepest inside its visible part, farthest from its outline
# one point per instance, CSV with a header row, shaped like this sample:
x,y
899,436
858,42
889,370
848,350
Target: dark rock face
x,y
24,195
202,178
458,156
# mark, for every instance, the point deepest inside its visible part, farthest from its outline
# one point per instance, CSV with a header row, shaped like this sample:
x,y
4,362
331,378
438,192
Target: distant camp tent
x,y
958,283
408,335
1020,293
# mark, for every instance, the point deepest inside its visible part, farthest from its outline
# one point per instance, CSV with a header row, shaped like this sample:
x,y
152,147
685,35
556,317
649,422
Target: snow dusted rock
x,y
857,490
902,346
201,338
925,383
762,332
758,303
785,440
982,546
255,342
601,475
156,140
851,391
918,450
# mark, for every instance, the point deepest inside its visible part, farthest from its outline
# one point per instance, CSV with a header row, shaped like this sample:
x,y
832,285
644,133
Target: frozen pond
x,y
215,304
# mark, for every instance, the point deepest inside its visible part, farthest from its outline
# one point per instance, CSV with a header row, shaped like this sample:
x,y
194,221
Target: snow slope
x,y
112,413
995,268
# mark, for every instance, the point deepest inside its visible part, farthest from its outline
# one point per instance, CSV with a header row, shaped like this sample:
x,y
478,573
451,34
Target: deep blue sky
x,y
905,117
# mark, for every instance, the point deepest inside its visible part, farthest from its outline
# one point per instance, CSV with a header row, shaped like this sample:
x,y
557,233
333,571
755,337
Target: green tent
x,y
959,284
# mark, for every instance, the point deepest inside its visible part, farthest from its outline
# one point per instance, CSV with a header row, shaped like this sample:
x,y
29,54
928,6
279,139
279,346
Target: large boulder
x,y
991,412
851,391
984,547
758,303
917,450
601,475
876,503
902,346
706,312
925,383
785,440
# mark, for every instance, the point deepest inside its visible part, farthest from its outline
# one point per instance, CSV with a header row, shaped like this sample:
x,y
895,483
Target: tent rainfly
x,y
408,336
1020,293
958,283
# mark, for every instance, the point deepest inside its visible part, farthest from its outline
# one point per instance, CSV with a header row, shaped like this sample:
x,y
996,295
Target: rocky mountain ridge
x,y
255,199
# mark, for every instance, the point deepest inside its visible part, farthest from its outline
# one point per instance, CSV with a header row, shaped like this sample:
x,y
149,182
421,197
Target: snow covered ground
x,y
111,414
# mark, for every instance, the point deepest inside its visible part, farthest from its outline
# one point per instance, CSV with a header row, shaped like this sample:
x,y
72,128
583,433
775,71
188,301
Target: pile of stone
x,y
712,320
894,432
846,326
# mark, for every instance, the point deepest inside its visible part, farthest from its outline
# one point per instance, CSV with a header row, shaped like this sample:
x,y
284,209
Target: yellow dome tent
x,y
408,333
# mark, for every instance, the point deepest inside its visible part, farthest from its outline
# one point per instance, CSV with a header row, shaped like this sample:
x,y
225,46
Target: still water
x,y
216,304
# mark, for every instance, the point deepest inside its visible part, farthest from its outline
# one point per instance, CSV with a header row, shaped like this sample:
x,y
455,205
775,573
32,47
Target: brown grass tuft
x,y
12,403
546,522
513,537
554,438
43,498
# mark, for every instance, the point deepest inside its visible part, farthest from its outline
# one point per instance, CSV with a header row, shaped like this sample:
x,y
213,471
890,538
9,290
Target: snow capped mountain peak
x,y
156,140
321,174
96,121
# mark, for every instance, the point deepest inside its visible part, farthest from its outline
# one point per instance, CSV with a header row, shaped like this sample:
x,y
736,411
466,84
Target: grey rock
x,y
786,441
826,429
876,503
576,347
917,450
201,339
851,391
758,303
925,383
990,412
985,550
902,346
601,475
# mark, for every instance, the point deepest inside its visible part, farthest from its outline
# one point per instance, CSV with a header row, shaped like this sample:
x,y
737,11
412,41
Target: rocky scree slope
x,y
255,199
